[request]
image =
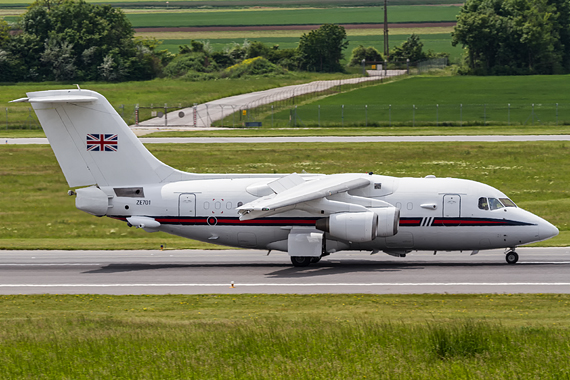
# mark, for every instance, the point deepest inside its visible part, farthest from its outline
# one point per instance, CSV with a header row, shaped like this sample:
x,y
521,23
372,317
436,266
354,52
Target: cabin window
x,y
495,204
483,204
507,202
218,205
206,205
229,205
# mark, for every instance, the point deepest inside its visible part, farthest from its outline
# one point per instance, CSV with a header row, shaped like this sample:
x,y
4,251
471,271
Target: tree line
x,y
65,40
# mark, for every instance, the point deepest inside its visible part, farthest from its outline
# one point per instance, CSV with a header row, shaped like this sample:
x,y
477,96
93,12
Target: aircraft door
x,y
187,205
451,206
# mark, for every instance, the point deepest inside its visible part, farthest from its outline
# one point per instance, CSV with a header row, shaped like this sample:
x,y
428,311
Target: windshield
x,y
507,202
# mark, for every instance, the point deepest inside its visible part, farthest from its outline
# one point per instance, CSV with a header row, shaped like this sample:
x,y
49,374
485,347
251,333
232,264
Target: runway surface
x,y
540,270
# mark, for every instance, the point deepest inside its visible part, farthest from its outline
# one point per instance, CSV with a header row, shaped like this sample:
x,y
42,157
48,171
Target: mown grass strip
x,y
36,213
368,15
275,336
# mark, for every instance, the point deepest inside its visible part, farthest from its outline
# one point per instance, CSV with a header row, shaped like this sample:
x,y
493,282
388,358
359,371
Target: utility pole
x,y
386,47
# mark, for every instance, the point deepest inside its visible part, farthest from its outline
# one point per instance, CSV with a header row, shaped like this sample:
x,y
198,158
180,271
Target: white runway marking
x,y
299,284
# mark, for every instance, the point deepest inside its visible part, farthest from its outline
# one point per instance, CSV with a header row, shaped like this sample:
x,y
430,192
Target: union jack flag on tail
x,y
102,142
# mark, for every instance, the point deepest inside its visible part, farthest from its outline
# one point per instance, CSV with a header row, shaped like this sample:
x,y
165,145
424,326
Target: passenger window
x,y
483,205
494,204
507,202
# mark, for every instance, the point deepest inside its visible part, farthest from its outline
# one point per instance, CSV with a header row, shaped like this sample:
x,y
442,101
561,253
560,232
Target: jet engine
x,y
360,227
388,221
357,227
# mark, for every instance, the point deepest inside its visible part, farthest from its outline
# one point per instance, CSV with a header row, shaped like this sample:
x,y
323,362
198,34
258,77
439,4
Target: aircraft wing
x,y
292,190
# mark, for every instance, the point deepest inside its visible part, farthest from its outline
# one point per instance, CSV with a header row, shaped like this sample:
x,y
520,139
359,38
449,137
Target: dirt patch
x,y
293,27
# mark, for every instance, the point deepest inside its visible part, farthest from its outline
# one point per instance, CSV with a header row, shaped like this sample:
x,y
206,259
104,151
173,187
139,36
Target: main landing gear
x,y
303,261
512,257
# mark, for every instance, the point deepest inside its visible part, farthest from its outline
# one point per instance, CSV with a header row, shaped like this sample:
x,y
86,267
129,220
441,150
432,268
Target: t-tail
x,y
93,144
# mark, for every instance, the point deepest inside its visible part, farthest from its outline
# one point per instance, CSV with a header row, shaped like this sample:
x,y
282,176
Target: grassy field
x,y
239,3
285,336
124,96
398,14
432,100
45,217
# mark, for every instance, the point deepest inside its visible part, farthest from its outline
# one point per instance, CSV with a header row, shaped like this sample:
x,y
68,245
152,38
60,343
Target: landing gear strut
x,y
512,257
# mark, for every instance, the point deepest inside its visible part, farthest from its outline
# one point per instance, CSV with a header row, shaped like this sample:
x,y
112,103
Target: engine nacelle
x,y
388,221
358,227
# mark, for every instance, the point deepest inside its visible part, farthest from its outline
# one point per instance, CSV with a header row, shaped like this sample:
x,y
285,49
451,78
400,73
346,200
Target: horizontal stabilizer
x,y
58,99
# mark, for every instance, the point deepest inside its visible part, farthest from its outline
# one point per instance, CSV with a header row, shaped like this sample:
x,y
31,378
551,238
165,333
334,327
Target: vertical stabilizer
x,y
92,143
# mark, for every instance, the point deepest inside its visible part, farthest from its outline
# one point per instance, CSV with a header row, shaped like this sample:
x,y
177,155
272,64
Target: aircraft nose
x,y
546,230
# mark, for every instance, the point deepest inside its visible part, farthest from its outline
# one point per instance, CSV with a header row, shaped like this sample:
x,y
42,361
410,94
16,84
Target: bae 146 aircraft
x,y
309,216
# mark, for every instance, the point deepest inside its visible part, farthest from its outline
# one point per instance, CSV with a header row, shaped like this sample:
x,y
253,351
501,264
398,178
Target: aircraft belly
x,y
258,237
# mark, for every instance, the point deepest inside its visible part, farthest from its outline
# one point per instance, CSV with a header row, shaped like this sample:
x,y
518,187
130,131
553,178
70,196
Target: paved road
x,y
338,139
204,114
540,270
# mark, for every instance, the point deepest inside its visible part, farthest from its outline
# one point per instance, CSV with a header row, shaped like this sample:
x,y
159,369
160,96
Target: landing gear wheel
x,y
512,257
301,261
315,260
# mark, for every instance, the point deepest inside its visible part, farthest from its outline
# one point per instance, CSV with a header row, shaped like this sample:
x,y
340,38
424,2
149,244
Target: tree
x,y
369,54
514,36
321,50
71,39
411,49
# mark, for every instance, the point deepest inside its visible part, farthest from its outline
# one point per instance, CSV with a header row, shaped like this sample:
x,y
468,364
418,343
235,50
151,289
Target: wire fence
x,y
404,115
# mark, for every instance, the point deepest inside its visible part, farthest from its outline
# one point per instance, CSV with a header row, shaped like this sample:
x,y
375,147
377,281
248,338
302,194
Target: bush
x,y
192,62
253,66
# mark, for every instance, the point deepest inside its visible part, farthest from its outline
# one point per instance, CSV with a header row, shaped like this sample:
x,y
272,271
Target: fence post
x,y
165,115
222,107
233,116
485,114
366,114
208,122
461,115
272,116
195,119
390,114
122,107
6,117
319,115
342,115
509,114
532,113
413,115
556,114
136,115
437,115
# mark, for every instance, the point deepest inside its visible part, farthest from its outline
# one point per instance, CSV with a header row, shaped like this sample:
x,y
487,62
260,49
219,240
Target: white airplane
x,y
307,215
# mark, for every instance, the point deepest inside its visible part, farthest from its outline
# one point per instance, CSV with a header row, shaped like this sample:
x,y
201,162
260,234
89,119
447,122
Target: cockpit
x,y
495,203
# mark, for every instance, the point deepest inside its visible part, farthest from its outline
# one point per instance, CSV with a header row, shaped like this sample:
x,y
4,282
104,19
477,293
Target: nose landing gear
x,y
512,257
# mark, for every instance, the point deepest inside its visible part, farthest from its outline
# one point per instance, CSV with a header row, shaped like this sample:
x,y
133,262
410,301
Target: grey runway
x,y
540,270
313,139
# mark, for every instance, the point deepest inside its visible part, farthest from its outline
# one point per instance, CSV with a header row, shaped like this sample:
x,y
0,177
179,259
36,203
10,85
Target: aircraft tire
x,y
301,261
512,257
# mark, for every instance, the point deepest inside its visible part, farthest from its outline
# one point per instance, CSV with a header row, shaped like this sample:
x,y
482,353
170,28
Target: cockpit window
x,y
495,204
483,205
507,202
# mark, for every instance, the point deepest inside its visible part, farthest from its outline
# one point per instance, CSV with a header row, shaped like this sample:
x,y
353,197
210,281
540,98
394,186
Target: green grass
x,y
124,96
240,3
36,213
285,336
366,15
432,100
